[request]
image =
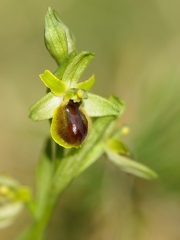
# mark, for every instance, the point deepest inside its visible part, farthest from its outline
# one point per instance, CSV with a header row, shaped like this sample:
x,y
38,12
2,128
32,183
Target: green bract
x,y
119,154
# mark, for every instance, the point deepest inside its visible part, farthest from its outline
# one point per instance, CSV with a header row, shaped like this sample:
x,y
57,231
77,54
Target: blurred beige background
x,y
137,46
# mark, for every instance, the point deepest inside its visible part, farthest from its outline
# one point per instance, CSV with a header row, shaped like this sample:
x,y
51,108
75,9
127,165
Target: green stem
x,y
38,228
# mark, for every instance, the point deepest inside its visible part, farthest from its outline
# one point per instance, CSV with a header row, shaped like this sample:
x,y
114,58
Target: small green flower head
x,y
12,197
68,104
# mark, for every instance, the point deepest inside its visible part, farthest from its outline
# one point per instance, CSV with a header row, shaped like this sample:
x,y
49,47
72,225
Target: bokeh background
x,y
137,46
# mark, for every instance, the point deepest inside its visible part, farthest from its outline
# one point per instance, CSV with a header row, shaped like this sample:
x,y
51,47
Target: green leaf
x,y
97,106
57,86
76,68
55,36
44,108
129,166
88,84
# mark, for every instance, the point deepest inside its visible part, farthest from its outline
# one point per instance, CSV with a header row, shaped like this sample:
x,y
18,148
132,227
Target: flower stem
x,y
37,229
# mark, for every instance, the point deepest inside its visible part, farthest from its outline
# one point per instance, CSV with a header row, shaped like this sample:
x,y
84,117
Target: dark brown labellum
x,y
73,124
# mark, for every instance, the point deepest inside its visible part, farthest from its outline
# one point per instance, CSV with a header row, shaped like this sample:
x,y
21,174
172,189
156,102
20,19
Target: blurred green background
x,y
137,46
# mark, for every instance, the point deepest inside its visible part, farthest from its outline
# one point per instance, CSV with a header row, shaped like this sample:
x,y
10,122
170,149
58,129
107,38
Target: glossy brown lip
x,y
73,124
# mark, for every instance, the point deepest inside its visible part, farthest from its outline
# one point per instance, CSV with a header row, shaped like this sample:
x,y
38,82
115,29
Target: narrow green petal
x,y
97,106
76,68
57,86
129,166
44,108
88,84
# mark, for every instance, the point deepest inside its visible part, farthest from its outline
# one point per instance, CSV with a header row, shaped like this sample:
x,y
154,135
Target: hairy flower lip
x,y
70,125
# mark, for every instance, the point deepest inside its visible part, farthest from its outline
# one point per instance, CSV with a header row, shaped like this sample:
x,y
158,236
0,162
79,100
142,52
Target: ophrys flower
x,y
69,103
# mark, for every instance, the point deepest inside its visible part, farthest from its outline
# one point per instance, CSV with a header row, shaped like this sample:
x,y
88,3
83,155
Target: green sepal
x,y
57,86
76,68
130,166
55,36
61,69
88,84
96,106
44,108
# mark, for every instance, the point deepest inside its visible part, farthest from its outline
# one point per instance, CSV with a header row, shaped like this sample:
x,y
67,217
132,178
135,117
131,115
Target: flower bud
x,y
58,38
